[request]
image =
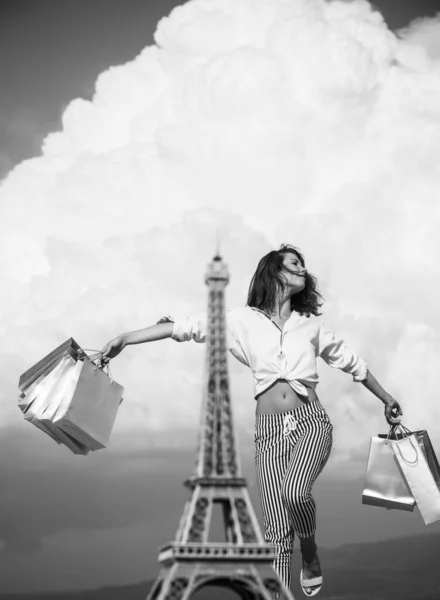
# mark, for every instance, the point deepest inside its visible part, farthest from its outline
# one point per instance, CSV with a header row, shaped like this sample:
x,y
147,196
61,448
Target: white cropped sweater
x,y
271,353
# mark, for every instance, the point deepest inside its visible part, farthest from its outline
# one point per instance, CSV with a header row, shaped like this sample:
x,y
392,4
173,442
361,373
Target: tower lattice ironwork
x,y
244,563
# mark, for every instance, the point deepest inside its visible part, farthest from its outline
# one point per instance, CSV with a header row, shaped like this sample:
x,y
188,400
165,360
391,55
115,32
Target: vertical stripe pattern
x,y
291,449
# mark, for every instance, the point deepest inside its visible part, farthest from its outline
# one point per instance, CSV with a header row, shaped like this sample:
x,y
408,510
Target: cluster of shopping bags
x,y
70,397
402,472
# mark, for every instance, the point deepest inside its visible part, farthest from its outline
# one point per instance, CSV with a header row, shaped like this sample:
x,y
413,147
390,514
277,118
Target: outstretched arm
x,y
148,334
140,336
180,330
334,351
392,407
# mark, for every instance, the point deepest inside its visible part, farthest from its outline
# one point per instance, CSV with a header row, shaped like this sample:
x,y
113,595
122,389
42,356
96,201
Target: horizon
x,y
388,587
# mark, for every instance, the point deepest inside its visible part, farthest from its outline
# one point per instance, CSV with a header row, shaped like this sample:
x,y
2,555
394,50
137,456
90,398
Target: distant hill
x,y
137,591
399,569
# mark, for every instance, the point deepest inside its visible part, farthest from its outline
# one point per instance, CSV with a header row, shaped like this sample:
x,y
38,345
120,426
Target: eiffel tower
x,y
244,562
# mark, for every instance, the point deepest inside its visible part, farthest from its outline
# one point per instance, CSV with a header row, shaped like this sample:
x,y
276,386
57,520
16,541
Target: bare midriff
x,y
280,397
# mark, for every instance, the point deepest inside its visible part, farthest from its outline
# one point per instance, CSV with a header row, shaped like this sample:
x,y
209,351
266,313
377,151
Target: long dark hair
x,y
268,281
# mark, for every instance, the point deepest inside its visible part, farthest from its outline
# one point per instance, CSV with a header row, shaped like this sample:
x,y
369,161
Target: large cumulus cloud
x,y
270,121
425,32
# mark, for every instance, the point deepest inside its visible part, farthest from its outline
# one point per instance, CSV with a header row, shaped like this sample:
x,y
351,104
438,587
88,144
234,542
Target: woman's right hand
x,y
112,349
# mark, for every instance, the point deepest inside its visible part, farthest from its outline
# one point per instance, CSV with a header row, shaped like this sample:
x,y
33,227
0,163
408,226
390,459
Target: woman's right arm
x,y
148,334
180,330
160,331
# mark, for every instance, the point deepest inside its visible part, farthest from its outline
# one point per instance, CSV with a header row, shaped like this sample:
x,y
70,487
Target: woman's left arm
x,y
391,405
333,350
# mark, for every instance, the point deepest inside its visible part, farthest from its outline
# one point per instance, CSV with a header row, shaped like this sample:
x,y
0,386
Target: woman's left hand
x,y
393,412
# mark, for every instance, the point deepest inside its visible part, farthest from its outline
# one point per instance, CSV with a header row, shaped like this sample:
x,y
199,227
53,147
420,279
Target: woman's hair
x,y
268,281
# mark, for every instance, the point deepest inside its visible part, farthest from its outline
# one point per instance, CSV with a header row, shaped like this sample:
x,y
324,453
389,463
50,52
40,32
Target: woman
x,y
278,336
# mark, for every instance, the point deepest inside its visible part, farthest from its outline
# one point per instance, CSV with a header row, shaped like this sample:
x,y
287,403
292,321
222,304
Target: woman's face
x,y
295,280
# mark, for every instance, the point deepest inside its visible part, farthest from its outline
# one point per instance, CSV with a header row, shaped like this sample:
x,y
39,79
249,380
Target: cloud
x,y
22,133
424,32
302,122
310,123
5,164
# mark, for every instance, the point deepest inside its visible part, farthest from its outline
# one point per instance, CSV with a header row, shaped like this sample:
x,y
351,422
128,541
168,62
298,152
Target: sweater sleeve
x,y
335,353
187,328
194,327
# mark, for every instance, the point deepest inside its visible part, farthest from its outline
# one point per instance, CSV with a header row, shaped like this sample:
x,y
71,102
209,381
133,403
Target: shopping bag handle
x,y
409,462
93,356
403,430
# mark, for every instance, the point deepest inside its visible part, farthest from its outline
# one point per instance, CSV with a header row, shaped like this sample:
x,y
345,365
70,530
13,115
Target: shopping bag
x,y
47,363
61,395
23,402
384,484
61,437
418,475
27,397
46,392
88,405
39,395
425,444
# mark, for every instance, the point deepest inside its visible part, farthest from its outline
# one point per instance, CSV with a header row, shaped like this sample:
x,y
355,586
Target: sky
x,y
130,133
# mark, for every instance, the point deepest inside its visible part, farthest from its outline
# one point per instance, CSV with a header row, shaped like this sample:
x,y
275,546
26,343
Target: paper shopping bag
x,y
415,468
61,393
40,394
27,397
88,414
45,392
424,442
384,485
23,402
61,437
47,363
399,432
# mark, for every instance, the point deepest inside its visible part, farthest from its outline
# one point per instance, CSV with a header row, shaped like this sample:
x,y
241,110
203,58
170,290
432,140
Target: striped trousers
x,y
291,449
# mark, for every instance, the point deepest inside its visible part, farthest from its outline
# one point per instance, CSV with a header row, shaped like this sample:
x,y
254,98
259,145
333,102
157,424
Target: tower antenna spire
x,y
217,240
